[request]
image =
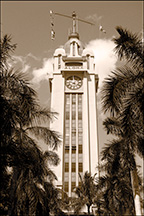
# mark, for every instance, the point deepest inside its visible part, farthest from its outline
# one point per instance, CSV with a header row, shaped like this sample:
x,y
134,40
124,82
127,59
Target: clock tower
x,y
73,88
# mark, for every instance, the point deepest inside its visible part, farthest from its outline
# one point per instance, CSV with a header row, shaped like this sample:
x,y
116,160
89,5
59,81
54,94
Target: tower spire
x,y
74,22
74,33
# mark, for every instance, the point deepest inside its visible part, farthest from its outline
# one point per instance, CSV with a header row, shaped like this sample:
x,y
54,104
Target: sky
x,y
28,22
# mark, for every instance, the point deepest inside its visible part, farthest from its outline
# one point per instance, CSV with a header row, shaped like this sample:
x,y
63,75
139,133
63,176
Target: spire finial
x,y
74,22
74,33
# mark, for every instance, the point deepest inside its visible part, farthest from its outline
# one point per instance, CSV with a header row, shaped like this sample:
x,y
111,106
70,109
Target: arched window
x,y
88,61
73,48
59,61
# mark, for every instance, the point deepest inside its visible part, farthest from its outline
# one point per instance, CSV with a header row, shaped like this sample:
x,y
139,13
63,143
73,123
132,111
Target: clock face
x,y
73,82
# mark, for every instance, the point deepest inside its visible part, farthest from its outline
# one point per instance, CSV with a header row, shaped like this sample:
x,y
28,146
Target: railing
x,y
73,67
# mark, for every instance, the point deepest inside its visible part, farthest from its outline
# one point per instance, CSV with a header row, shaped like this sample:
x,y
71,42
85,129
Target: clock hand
x,y
73,81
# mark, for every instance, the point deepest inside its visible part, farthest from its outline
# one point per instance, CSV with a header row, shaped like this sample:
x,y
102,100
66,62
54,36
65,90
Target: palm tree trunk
x,y
12,190
136,193
88,207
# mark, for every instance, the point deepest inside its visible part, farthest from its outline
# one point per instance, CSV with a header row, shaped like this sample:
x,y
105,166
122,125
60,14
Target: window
x,y
59,61
80,115
80,149
80,123
73,99
80,167
73,106
67,99
67,140
50,85
67,149
73,134
67,114
88,61
66,185
67,123
66,167
73,48
73,167
73,185
73,115
73,140
67,131
80,138
73,124
80,98
74,131
80,107
73,149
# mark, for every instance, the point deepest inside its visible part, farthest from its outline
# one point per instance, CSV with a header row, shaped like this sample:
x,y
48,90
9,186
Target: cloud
x,y
25,64
40,69
37,70
44,72
32,56
105,58
94,18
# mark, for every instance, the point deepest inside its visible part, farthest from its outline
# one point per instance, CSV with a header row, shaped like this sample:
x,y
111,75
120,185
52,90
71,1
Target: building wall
x,y
83,67
57,102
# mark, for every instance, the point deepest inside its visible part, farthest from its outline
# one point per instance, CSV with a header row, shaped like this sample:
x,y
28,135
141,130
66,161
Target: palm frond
x,y
6,48
111,149
42,115
50,137
22,117
130,46
52,158
132,115
85,191
116,86
123,96
140,147
51,176
113,126
108,94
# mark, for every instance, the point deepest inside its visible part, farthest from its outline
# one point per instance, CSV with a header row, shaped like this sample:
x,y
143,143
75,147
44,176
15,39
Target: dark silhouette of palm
x,y
123,97
22,128
85,193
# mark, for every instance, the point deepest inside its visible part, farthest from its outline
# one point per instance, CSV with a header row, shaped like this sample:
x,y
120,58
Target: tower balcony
x,y
73,62
74,67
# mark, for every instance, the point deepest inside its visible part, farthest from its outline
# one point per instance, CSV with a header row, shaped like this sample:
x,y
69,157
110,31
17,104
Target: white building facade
x,y
73,88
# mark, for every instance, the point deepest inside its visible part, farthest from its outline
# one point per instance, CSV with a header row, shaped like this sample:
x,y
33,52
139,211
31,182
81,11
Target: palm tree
x,y
54,199
115,185
123,96
18,146
85,193
21,130
6,48
30,190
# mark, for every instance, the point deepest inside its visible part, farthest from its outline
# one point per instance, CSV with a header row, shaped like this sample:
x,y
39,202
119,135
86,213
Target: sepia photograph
x,y
72,108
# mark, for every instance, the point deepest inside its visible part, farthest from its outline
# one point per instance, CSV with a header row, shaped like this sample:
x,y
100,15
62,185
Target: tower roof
x,y
73,49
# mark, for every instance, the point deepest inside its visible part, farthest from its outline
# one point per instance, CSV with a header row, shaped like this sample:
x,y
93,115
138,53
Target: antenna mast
x,y
73,17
